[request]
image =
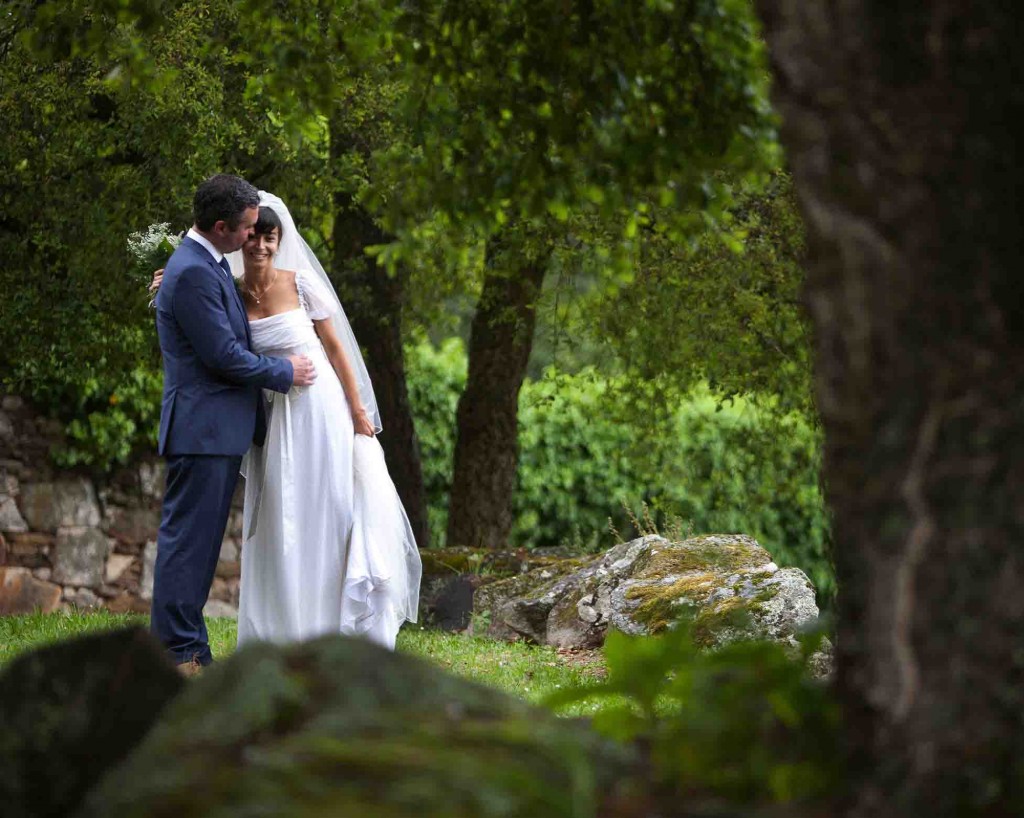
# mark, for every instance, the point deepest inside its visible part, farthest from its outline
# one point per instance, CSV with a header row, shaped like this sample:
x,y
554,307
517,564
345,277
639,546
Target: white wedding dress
x,y
327,547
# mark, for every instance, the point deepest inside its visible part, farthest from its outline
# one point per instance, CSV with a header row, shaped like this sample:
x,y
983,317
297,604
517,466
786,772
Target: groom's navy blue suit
x,y
211,413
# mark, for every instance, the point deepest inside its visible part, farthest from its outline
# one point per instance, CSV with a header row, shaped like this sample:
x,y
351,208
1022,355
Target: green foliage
x,y
116,417
80,169
91,154
721,468
725,308
544,108
744,722
436,378
577,464
737,468
568,126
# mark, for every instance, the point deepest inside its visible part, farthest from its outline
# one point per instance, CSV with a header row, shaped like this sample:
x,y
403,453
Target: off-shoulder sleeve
x,y
315,298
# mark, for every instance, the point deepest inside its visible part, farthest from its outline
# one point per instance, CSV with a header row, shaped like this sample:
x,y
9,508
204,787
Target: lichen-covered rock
x,y
340,727
21,592
6,427
62,504
29,549
148,571
72,710
728,584
80,557
219,609
81,598
10,517
451,577
151,479
127,602
229,565
117,565
131,525
450,603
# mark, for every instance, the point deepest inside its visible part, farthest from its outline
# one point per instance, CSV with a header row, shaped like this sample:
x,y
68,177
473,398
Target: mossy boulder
x,y
451,576
728,584
73,710
339,727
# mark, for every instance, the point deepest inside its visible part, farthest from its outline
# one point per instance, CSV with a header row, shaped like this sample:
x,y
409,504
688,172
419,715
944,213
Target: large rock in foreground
x,y
339,727
70,711
728,583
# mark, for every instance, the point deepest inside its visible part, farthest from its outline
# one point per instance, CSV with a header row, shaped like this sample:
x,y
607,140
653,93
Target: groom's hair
x,y
223,198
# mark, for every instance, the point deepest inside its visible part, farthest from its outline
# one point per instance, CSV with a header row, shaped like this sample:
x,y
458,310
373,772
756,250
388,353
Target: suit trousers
x,y
195,512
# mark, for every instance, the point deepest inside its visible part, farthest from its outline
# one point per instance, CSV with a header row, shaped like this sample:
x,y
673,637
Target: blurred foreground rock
x,y
71,711
340,727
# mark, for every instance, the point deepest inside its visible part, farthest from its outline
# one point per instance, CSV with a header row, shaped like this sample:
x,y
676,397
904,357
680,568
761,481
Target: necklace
x,y
264,291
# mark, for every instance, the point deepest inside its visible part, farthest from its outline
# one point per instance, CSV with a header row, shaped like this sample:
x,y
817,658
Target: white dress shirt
x,y
205,242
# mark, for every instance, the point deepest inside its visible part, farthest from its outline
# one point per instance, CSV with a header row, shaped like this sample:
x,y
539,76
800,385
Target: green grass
x,y
526,671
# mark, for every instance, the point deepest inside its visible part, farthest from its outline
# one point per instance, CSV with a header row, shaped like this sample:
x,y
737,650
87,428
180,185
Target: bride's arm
x,y
339,360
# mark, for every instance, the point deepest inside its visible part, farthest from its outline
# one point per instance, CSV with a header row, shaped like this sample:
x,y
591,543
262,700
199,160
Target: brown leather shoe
x,y
190,668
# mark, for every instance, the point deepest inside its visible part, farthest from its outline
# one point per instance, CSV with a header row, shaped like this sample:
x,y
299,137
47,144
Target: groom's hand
x,y
304,373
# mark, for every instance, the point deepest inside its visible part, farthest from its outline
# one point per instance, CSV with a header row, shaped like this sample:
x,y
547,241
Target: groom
x,y
212,409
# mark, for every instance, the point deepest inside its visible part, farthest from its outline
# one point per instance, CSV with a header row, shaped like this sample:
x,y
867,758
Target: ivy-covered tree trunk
x,y
486,446
899,119
373,302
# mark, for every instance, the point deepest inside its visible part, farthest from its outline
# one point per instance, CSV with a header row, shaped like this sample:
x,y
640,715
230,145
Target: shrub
x,y
745,723
724,469
436,377
730,468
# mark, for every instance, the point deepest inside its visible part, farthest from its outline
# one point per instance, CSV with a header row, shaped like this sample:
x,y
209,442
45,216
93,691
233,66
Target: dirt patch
x,y
589,661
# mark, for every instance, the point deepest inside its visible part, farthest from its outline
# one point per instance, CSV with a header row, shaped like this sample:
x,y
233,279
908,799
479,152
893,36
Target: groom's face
x,y
229,240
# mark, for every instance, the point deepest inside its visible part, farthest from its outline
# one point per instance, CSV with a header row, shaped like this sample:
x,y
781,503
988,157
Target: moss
x,y
451,560
508,588
732,614
700,554
562,564
735,614
530,585
659,603
770,592
385,734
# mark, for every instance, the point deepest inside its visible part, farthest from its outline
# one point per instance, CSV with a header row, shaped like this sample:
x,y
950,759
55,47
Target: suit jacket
x,y
212,379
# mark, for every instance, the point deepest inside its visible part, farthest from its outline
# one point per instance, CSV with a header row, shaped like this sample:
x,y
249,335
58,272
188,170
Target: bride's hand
x,y
361,423
158,276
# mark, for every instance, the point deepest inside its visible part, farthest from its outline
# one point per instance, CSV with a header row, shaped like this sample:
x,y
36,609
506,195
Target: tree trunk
x,y
373,303
898,118
486,446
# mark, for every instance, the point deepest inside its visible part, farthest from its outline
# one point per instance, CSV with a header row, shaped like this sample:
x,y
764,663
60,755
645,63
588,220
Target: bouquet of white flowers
x,y
150,249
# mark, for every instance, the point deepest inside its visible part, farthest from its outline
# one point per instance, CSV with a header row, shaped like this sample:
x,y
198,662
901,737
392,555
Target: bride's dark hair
x,y
266,223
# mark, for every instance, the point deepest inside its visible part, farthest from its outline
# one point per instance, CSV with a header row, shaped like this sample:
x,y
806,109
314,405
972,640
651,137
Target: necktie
x,y
238,299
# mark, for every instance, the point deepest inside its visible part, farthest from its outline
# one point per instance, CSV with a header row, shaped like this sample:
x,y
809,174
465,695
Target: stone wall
x,y
77,540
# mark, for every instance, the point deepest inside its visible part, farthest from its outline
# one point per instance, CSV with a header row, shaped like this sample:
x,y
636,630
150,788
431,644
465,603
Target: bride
x,y
327,547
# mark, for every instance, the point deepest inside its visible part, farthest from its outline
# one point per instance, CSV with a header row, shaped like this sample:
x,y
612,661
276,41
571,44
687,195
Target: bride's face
x,y
261,247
